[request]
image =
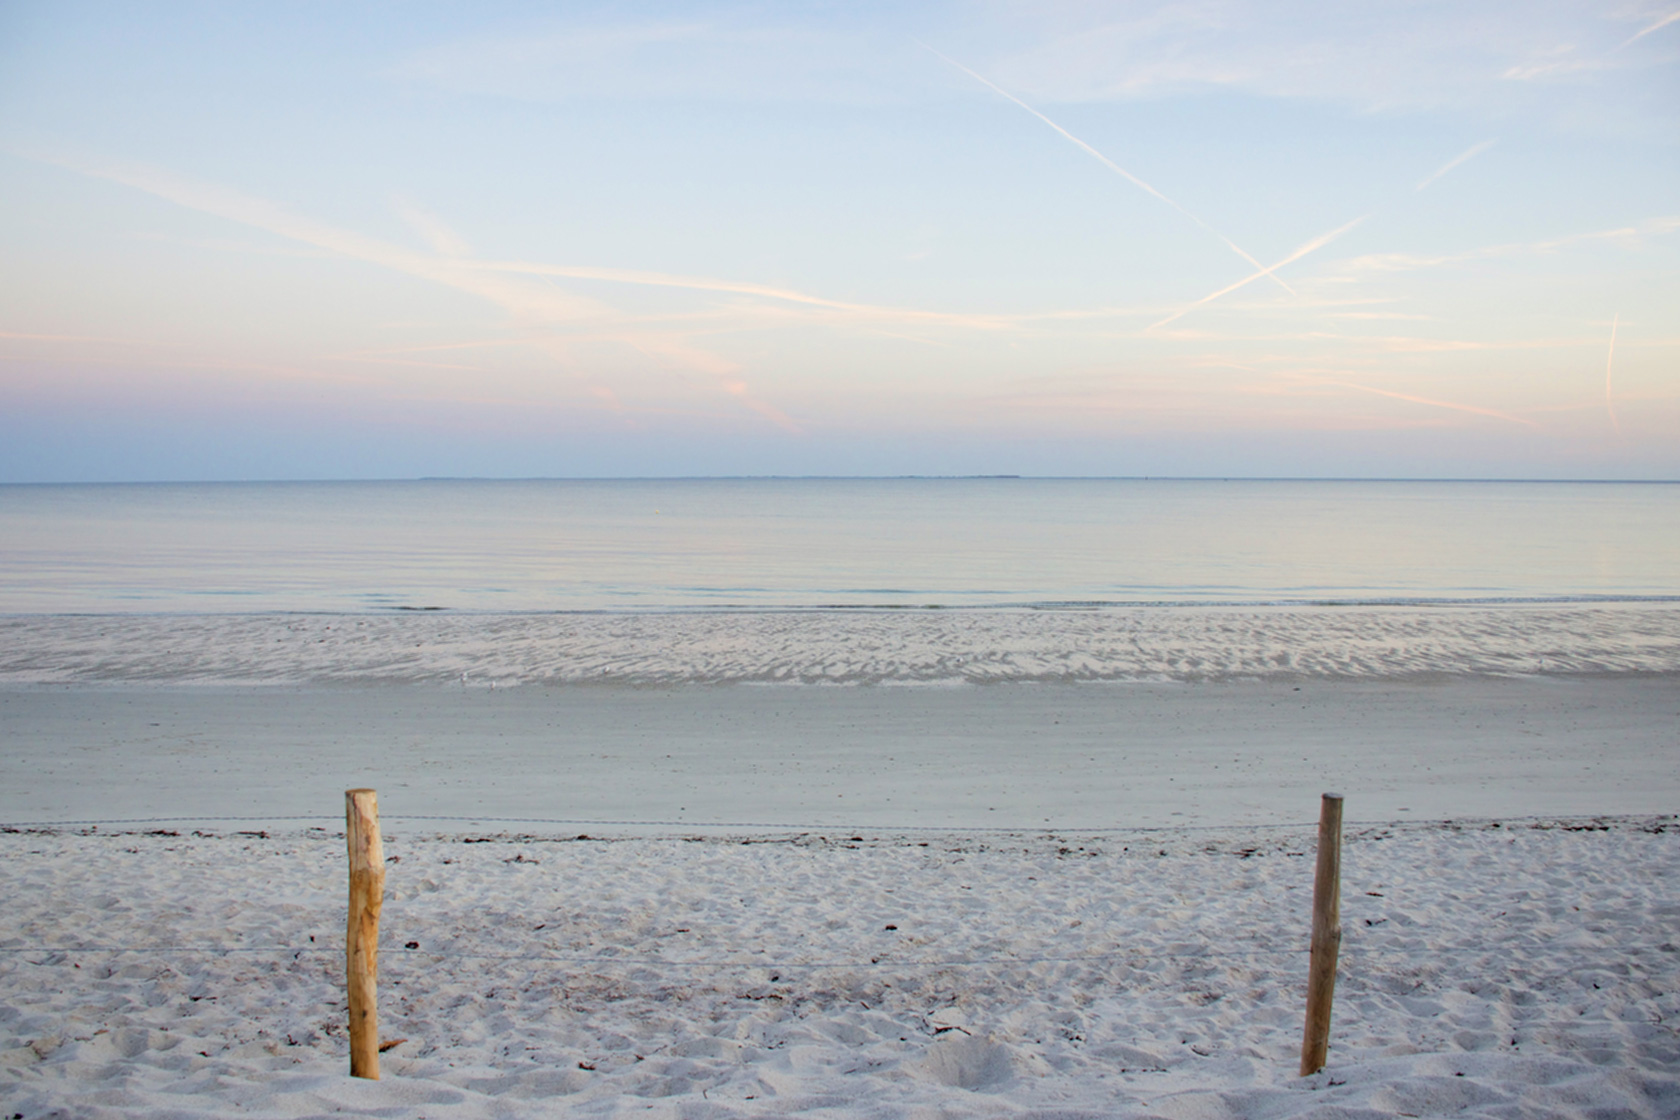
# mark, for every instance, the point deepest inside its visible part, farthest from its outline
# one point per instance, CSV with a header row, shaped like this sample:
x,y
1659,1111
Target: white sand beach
x,y
1099,892
1501,970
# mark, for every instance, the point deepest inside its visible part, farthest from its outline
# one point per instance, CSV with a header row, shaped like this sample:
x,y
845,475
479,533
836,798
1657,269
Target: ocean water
x,y
512,546
834,581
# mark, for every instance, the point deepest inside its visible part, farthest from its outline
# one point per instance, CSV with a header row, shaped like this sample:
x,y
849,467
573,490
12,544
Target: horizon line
x,y
836,478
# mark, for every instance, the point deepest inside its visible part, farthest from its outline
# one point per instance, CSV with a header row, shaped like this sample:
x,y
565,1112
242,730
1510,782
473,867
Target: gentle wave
x,y
840,647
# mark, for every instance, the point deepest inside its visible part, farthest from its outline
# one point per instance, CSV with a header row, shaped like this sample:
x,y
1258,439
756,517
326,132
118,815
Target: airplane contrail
x,y
1657,26
1609,361
493,280
1464,157
1105,161
507,291
708,284
1414,399
1318,242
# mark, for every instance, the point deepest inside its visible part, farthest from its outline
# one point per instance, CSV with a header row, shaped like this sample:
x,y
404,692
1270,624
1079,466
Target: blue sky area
x,y
321,240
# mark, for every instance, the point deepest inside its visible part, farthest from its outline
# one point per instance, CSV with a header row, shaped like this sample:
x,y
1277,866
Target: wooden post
x,y
361,938
1326,936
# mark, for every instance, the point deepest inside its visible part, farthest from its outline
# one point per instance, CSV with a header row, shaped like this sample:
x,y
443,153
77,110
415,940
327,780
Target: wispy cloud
x,y
1671,17
726,372
1411,344
1111,165
1555,67
1627,236
1433,402
528,300
1462,158
745,288
431,227
1315,244
1383,56
769,411
1565,60
520,298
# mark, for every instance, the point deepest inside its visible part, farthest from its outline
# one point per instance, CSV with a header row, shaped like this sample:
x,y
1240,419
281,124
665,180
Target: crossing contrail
x,y
1315,244
1108,163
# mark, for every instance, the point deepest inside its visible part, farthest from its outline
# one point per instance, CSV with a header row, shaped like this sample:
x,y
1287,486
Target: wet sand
x,y
1004,756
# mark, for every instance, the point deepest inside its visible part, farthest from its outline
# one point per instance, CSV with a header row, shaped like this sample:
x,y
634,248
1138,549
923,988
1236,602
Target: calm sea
x,y
534,546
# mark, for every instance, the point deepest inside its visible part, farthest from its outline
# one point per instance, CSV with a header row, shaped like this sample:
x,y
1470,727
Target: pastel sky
x,y
318,240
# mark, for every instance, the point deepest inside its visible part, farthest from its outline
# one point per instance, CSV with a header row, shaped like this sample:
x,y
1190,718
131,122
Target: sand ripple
x,y
843,647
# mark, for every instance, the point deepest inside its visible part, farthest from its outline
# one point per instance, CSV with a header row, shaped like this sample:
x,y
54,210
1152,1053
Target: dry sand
x,y
1517,971
1072,939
